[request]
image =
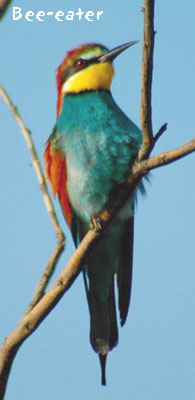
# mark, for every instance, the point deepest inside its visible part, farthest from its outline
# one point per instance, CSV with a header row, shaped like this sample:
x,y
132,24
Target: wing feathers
x,y
125,270
56,173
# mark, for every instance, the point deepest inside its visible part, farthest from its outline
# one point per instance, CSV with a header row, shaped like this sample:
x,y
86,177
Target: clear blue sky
x,y
155,359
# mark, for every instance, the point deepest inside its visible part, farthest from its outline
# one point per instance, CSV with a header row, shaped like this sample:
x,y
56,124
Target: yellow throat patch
x,y
96,76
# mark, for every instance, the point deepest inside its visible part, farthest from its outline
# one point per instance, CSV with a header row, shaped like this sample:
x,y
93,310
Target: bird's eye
x,y
81,63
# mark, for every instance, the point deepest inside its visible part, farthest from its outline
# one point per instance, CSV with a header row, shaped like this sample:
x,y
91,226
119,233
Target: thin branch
x,y
4,4
147,68
162,129
47,200
46,276
163,159
36,164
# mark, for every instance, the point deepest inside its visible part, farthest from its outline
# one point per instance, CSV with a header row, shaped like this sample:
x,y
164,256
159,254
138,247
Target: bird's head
x,y
88,67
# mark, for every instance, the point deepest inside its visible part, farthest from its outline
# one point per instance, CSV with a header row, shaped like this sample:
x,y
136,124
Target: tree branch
x,y
36,163
162,159
46,276
47,200
159,134
146,90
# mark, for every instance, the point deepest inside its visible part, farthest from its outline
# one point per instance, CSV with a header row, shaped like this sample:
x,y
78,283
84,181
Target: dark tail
x,y
103,326
103,367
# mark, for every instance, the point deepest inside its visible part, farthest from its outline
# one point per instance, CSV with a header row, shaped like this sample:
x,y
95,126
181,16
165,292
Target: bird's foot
x,y
98,225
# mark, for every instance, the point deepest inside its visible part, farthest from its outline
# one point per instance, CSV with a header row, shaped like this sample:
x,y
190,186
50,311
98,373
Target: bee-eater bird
x,y
87,158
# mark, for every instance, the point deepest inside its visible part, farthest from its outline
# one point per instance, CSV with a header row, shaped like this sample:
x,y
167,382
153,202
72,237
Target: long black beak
x,y
112,54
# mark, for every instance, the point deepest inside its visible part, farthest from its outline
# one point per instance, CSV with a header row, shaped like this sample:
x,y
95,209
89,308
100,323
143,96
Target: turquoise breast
x,y
99,143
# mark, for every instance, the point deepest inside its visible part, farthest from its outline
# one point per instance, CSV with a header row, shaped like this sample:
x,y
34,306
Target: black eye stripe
x,y
88,62
74,68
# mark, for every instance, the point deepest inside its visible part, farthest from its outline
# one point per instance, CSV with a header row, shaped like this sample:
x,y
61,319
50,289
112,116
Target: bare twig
x,y
162,159
36,164
47,199
147,67
48,272
162,129
4,4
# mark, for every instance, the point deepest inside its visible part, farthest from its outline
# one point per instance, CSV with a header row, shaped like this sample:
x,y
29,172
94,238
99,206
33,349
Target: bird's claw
x,y
97,224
